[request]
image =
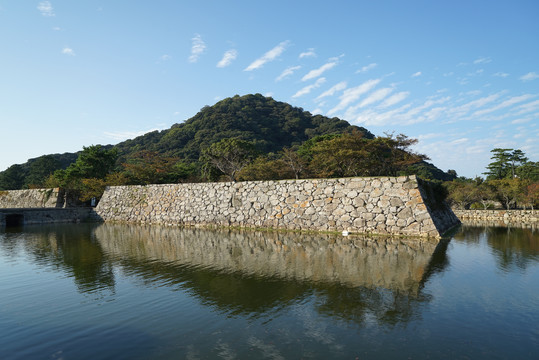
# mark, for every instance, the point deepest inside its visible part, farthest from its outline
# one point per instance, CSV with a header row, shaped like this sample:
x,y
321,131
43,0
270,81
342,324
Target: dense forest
x,y
249,137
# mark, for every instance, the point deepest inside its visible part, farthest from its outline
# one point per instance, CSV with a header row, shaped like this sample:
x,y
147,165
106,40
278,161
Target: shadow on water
x,y
513,246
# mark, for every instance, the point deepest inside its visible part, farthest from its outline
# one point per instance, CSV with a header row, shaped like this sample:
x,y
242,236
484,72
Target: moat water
x,y
101,291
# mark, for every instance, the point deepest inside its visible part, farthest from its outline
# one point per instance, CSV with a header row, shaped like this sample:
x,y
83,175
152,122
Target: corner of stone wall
x,y
441,216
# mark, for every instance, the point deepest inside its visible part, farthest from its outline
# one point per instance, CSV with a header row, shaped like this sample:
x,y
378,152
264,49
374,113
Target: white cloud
x,y
416,74
309,53
367,68
501,74
376,96
353,94
483,60
198,47
45,8
520,121
267,57
529,76
529,107
509,102
228,57
317,72
165,57
459,141
287,72
309,88
331,91
394,99
464,109
68,51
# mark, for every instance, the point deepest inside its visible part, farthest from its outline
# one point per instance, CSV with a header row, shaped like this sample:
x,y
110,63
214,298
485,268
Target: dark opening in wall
x,y
14,220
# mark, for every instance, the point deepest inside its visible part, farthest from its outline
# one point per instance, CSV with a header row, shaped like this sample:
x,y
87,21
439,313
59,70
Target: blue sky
x,y
460,76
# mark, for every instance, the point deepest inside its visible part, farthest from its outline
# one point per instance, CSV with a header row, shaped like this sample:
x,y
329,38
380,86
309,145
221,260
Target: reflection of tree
x,y
73,249
512,246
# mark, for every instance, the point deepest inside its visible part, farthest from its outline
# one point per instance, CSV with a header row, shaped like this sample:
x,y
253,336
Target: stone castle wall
x,y
382,205
32,198
523,216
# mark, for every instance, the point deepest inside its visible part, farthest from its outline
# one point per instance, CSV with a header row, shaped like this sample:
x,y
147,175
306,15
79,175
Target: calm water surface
x,y
133,292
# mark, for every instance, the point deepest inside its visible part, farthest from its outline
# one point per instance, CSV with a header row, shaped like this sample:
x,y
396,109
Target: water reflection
x,y
353,278
67,247
513,245
246,273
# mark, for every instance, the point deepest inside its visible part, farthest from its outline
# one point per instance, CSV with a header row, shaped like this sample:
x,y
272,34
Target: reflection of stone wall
x,y
503,216
32,198
364,205
397,264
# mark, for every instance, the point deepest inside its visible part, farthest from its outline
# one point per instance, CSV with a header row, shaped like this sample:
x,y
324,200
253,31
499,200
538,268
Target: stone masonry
x,y
382,205
32,198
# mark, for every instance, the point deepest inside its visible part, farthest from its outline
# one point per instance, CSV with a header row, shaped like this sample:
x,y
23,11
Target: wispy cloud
x,y
313,74
267,57
416,74
331,91
227,59
394,99
68,51
309,53
309,88
501,74
509,102
198,47
367,68
353,94
529,76
376,96
287,72
482,60
165,57
45,8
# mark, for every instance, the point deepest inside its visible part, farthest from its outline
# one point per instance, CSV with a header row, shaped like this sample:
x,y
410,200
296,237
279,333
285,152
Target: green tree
x,y
508,191
93,162
529,170
12,178
40,169
505,164
149,167
532,195
515,158
294,161
266,168
462,193
498,168
229,156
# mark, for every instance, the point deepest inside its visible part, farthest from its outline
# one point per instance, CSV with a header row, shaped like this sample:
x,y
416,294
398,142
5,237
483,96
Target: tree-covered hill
x,y
269,124
282,141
